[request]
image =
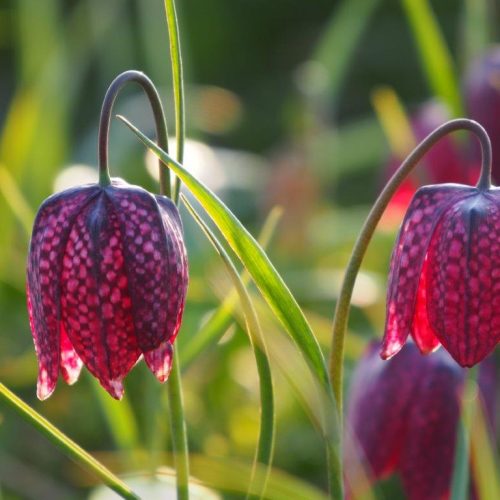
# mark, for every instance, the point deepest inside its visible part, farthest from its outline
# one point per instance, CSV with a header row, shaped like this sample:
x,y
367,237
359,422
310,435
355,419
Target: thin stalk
x,y
343,304
65,444
178,422
178,82
105,122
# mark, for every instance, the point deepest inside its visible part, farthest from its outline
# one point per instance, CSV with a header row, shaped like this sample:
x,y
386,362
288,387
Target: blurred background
x,y
308,106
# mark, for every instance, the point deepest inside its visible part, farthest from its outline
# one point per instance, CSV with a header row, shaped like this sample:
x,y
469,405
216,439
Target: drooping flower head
x,y
444,280
107,271
106,282
403,414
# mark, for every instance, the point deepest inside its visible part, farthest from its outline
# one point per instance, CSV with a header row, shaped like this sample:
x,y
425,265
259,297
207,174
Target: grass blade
x,y
222,317
264,451
275,292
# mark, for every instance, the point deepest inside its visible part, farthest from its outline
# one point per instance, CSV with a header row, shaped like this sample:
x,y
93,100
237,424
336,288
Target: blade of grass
x,y
178,80
222,317
434,54
65,444
265,446
476,29
273,289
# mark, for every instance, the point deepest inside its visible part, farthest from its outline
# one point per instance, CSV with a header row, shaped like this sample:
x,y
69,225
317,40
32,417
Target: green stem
x,y
343,304
65,444
461,477
105,122
179,433
178,81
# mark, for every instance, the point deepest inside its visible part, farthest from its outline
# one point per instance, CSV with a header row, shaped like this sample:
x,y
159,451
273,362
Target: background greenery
x,y
280,111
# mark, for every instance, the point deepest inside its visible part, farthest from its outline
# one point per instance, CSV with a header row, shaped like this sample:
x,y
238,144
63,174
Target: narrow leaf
x,y
265,445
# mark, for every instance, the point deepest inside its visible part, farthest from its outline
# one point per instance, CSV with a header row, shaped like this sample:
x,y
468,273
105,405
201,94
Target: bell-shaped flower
x,y
106,282
444,280
402,418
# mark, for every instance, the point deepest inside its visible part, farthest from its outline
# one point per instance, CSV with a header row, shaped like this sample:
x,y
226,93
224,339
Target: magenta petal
x,y
159,360
96,304
463,279
407,260
50,232
380,397
146,253
71,364
428,452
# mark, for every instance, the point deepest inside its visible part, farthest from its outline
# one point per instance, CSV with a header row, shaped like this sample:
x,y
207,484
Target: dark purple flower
x,y
482,95
107,279
444,280
403,415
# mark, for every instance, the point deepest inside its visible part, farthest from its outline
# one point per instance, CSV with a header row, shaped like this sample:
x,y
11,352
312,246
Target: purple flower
x,y
444,280
106,282
403,417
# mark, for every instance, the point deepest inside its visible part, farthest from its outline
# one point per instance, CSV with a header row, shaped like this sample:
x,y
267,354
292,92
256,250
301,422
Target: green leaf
x,y
273,289
264,451
222,317
434,54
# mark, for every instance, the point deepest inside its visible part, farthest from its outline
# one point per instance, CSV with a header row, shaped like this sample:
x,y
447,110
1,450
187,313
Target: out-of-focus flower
x,y
482,95
403,417
444,280
446,161
106,283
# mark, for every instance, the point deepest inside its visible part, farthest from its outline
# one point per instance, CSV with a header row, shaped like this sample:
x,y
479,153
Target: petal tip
x,y
114,388
159,361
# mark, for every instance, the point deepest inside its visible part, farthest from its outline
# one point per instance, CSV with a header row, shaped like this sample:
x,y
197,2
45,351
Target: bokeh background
x,y
287,105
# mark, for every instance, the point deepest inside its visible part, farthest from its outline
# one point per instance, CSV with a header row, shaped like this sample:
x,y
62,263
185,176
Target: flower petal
x,y
96,304
464,279
428,453
159,360
50,232
146,254
408,257
71,364
379,403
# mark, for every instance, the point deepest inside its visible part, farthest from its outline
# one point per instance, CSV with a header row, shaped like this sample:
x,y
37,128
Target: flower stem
x,y
105,121
64,443
179,432
341,315
178,80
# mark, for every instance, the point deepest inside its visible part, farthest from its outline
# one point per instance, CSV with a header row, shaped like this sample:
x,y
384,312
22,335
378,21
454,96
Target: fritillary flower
x,y
106,282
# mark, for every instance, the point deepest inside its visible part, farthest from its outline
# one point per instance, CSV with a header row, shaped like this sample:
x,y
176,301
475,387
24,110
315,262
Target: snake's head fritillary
x,y
444,280
403,417
106,281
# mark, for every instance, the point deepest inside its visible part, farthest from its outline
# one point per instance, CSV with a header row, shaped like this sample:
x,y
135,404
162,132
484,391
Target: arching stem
x,y
105,120
341,316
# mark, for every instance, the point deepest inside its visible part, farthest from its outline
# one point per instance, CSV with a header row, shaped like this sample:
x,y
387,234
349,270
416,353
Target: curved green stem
x,y
64,443
178,81
105,121
343,305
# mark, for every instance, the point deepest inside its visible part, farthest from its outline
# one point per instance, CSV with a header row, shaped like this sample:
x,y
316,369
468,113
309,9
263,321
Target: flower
x,y
444,279
106,283
403,416
482,96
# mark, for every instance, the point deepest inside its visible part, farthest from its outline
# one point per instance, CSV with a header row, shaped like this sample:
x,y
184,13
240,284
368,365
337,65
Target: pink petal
x,y
464,279
96,303
146,255
380,398
422,331
407,260
159,360
71,364
50,232
428,452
